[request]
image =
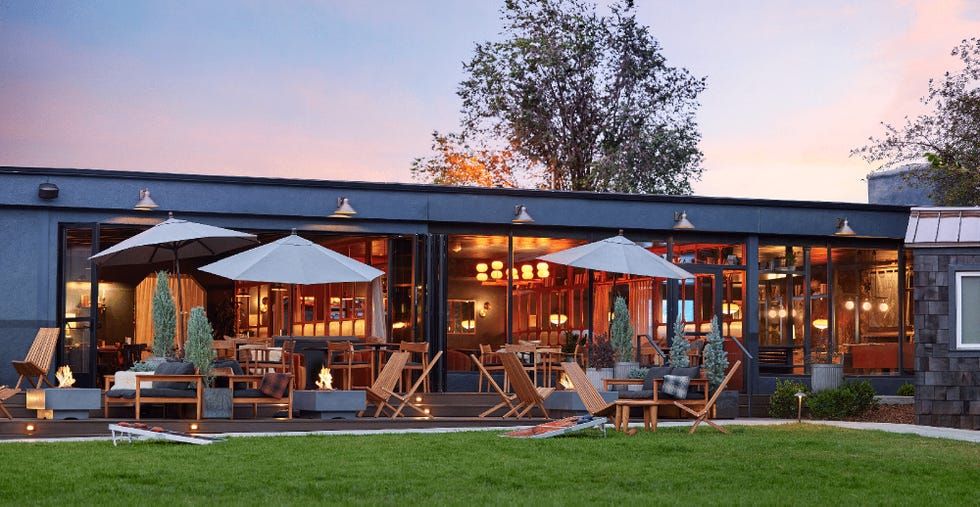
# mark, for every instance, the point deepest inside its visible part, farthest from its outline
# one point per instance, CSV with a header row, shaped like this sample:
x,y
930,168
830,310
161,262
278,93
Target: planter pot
x,y
826,376
217,403
597,374
726,406
621,369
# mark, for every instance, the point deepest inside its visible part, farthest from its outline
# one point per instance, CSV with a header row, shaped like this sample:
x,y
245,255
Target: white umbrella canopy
x,y
171,240
617,255
292,260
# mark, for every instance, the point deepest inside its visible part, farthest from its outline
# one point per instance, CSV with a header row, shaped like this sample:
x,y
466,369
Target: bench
x,y
246,392
776,359
650,398
172,382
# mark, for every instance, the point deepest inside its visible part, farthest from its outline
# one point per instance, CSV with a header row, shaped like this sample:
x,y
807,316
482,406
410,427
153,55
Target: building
x,y
792,282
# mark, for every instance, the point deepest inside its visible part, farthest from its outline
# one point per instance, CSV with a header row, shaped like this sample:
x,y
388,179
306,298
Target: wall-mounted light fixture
x,y
681,221
47,191
843,229
521,216
344,209
145,203
485,310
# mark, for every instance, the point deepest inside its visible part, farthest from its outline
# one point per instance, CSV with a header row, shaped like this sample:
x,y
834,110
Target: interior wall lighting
x,y
866,305
344,209
485,310
557,319
849,304
843,229
730,308
782,313
482,277
482,267
820,324
145,202
497,265
496,274
521,215
681,221
883,307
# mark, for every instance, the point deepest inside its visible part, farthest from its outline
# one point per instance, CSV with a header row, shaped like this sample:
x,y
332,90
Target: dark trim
x,y
954,323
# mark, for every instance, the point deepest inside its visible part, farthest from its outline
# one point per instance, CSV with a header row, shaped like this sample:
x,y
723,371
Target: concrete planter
x,y
621,369
217,403
826,376
569,401
597,374
66,403
334,404
726,406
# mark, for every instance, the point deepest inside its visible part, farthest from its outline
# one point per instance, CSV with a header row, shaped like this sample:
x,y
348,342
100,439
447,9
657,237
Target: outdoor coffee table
x,y
649,413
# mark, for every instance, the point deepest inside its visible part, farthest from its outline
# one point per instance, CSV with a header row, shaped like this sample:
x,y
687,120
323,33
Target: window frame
x,y
959,274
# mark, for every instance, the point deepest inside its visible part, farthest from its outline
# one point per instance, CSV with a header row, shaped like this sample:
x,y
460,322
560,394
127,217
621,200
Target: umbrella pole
x,y
180,302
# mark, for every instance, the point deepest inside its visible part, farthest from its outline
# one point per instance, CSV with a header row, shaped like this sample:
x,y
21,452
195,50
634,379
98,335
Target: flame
x,y
565,381
326,380
64,376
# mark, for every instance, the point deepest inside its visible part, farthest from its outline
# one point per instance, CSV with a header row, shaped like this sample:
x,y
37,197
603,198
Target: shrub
x,y
200,338
601,353
141,367
783,402
906,390
715,357
849,400
639,372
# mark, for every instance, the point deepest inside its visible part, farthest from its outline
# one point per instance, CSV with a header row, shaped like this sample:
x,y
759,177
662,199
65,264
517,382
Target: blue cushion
x,y
158,392
691,372
121,393
642,394
174,368
675,386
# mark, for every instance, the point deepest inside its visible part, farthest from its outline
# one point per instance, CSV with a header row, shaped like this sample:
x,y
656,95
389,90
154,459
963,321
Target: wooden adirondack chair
x,y
406,399
587,392
508,399
381,390
527,394
38,360
702,415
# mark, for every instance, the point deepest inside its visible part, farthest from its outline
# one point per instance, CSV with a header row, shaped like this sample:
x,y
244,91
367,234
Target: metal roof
x,y
938,227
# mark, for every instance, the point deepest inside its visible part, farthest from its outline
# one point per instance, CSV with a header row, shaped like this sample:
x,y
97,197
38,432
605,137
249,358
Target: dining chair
x,y
525,354
418,361
548,362
342,356
490,363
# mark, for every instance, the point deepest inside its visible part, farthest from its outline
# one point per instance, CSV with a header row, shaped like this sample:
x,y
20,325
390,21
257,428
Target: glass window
x,y
967,299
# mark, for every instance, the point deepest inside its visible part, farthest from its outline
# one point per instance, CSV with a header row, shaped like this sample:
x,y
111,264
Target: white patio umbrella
x,y
617,255
172,240
292,260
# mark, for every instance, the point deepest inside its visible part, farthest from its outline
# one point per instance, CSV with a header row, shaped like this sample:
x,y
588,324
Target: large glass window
x,y
967,318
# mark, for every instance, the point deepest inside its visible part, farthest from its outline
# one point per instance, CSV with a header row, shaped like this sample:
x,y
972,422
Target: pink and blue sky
x,y
351,90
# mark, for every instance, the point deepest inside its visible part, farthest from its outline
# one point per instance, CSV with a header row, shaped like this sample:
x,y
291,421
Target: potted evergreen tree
x,y
199,350
621,336
715,367
679,347
164,320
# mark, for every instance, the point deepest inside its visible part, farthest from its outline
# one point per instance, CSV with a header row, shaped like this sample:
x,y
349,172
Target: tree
x,y
679,347
200,340
947,138
586,100
621,331
715,357
164,317
458,163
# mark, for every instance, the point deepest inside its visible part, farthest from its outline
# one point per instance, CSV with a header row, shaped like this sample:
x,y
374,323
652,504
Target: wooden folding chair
x,y
419,351
702,415
591,399
489,362
406,399
381,390
508,399
5,394
341,356
38,360
527,394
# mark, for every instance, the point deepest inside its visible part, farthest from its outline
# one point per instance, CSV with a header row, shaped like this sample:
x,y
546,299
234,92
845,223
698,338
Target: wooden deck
x,y
449,410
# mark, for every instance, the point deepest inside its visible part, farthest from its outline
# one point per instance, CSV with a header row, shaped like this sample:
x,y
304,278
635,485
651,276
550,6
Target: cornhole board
x,y
129,432
560,427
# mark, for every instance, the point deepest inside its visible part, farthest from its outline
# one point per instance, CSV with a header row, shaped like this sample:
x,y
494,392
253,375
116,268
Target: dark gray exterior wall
x,y
30,224
947,382
890,187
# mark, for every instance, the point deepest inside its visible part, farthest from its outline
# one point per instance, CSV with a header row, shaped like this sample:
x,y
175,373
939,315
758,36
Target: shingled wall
x,y
947,381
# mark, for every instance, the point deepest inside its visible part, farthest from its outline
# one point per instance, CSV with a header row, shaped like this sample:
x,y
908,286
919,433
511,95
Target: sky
x,y
352,89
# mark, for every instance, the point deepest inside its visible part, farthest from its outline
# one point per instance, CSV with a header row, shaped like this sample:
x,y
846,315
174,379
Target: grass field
x,y
779,465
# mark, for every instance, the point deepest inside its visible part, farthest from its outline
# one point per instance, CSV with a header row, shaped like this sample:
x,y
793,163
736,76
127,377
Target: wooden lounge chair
x,y
508,399
702,415
38,360
591,399
5,394
381,390
527,394
406,399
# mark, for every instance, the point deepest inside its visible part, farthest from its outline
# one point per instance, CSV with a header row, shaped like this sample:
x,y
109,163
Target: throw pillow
x,y
675,386
274,385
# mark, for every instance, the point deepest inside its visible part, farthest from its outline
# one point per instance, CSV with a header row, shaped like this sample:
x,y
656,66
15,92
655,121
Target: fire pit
x,y
64,401
328,403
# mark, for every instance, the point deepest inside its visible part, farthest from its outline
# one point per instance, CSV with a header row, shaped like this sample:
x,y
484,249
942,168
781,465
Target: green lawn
x,y
779,465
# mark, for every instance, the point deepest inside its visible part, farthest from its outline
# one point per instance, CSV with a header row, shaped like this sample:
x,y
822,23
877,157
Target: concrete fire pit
x,y
335,404
66,403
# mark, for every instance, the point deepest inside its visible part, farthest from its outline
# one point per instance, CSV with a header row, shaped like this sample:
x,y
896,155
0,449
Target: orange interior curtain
x,y
600,312
194,295
640,306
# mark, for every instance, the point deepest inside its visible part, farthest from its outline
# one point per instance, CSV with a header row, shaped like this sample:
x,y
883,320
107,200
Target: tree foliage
x,y
621,333
679,347
200,339
715,358
586,100
948,138
456,162
164,317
